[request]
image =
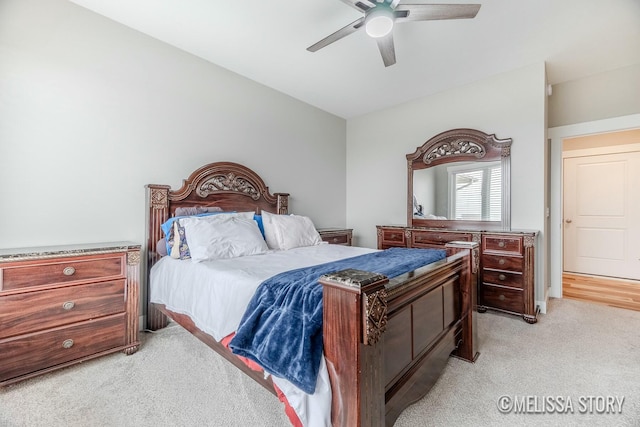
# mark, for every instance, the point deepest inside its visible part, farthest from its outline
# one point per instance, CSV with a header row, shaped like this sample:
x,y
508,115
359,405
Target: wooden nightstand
x,y
336,236
62,305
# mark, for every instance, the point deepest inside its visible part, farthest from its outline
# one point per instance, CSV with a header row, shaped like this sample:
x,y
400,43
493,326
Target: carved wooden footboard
x,y
385,341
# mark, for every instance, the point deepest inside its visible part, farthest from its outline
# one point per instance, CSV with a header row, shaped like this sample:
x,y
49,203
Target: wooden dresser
x,y
336,236
62,305
505,263
506,276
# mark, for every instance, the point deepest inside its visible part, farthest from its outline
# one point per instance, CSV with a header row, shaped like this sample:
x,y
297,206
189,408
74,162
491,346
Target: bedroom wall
x,y
601,96
91,111
511,105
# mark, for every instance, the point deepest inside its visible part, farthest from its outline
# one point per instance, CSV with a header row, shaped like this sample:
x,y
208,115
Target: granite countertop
x,y
15,254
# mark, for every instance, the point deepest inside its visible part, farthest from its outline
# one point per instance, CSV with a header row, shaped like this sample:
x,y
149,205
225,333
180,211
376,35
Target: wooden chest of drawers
x,y
505,274
506,282
336,236
63,305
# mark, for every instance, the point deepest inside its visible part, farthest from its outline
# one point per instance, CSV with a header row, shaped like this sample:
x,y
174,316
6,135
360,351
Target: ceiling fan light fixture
x,y
379,22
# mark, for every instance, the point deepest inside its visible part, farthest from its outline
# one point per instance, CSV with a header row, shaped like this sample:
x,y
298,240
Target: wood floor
x,y
602,290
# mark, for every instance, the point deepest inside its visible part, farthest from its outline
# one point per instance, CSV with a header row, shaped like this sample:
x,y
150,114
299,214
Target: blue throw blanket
x,y
282,327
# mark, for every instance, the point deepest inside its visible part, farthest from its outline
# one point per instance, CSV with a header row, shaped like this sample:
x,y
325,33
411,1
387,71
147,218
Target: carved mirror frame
x,y
462,145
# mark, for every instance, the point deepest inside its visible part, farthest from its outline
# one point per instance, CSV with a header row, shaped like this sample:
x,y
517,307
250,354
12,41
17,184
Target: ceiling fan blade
x,y
432,12
342,32
360,5
387,50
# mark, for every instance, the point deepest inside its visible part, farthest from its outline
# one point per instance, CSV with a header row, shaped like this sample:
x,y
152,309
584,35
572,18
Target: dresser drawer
x,y
29,353
60,271
503,278
504,244
336,237
502,298
435,238
393,237
33,311
498,262
341,239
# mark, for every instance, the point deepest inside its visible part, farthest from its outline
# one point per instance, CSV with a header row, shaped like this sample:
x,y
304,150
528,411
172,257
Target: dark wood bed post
x,y
354,349
158,211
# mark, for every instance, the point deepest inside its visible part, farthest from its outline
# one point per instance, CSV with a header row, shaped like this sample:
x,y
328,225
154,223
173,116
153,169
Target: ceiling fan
x,y
381,15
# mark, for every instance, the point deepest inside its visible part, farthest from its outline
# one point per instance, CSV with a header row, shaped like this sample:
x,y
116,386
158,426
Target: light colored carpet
x,y
577,349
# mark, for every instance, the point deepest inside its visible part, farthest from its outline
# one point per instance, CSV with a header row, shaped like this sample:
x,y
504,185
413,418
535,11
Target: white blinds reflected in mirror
x,y
475,192
467,191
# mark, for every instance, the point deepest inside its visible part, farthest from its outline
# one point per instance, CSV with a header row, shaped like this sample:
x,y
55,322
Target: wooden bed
x,y
385,341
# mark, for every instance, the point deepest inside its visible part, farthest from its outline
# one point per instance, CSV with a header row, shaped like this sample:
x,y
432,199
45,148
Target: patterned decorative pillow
x,y
179,247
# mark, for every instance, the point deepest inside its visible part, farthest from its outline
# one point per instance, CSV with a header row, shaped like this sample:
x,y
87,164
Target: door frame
x,y
557,135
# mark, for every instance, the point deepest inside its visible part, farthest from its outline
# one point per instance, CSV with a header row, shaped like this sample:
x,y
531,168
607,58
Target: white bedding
x,y
215,295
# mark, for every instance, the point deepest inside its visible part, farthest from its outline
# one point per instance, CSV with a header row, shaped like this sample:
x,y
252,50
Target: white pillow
x,y
222,236
269,230
289,231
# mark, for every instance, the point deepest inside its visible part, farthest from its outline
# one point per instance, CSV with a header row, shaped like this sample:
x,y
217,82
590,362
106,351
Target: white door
x,y
602,215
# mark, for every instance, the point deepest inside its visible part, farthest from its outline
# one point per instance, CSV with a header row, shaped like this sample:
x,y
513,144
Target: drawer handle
x,y
501,298
335,239
68,305
67,343
502,261
501,244
68,271
393,236
502,277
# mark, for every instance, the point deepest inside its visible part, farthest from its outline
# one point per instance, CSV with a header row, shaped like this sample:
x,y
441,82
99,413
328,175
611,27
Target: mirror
x,y
460,179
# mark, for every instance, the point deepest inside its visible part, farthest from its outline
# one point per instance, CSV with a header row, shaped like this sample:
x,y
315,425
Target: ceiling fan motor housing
x,y
379,21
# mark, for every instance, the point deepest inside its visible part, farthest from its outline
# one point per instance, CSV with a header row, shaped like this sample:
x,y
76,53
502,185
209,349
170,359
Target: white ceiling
x,y
266,41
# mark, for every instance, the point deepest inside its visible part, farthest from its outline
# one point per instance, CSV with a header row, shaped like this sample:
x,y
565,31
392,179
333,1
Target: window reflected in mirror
x,y
476,192
467,191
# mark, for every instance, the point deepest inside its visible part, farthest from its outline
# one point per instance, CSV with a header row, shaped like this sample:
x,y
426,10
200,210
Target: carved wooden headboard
x,y
228,185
